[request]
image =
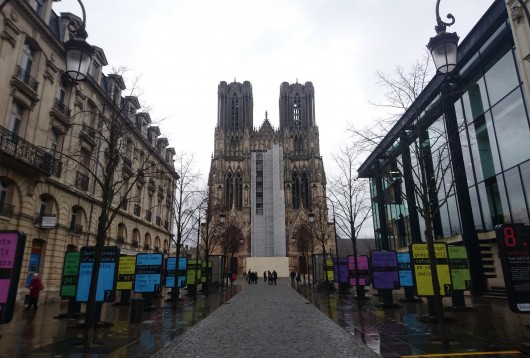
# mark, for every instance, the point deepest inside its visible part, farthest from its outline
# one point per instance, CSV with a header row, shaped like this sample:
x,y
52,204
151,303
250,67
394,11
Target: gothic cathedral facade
x,y
268,181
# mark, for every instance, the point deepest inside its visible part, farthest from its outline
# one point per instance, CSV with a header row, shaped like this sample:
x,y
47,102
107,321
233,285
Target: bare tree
x,y
321,229
351,199
184,205
105,169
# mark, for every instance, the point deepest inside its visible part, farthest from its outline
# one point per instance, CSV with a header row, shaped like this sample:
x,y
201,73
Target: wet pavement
x,y
485,330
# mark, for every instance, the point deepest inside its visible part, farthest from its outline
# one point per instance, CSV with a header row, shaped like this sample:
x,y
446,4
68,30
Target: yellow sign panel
x,y
126,271
330,274
422,269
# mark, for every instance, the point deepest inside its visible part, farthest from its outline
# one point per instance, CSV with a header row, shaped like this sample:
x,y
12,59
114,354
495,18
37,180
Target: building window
x,y
26,61
15,120
295,190
239,191
235,112
297,111
229,191
37,6
6,209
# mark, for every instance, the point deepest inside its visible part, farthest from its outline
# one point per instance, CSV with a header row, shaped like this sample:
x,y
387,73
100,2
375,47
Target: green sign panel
x,y
194,274
206,272
459,266
70,274
421,269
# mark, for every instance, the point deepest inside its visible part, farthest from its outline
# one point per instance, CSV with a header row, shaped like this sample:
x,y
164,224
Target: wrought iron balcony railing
x,y
75,229
22,150
81,181
25,77
60,107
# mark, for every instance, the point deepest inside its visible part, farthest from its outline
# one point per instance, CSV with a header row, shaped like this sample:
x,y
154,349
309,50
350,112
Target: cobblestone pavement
x,y
267,321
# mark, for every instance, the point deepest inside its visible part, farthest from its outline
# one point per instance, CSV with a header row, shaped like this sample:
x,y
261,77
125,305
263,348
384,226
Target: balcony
x,y
137,209
120,240
135,243
24,76
151,186
88,134
22,151
148,215
7,209
75,229
81,181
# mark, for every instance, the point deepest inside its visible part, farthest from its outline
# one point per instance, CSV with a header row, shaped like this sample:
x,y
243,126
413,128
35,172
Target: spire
x,y
266,115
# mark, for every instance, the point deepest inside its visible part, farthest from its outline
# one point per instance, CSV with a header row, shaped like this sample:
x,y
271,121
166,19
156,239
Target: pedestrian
x,y
35,287
264,276
269,277
249,276
274,276
298,278
232,278
293,276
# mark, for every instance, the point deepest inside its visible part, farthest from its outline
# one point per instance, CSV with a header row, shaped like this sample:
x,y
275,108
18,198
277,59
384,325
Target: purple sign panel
x,y
385,270
341,270
11,252
364,273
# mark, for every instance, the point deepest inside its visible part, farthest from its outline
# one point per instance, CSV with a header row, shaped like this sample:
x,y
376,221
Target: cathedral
x,y
268,182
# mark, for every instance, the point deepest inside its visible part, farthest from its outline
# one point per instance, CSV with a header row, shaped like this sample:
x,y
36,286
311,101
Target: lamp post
x,y
443,46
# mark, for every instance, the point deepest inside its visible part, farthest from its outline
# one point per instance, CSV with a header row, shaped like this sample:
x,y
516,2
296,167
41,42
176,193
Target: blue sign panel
x,y
341,270
108,273
171,267
385,270
405,270
181,274
148,273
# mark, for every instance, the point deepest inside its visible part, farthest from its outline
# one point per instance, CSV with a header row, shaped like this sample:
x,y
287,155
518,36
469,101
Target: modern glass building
x,y
469,146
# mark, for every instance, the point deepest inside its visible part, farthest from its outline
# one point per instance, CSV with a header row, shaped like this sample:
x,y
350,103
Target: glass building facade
x,y
477,176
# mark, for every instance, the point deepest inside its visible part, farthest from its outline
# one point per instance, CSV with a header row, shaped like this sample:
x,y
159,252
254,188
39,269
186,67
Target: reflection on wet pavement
x,y
486,330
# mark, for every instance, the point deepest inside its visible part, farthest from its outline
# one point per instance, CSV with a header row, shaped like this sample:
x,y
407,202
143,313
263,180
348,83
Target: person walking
x,y
293,276
298,278
274,276
35,287
264,276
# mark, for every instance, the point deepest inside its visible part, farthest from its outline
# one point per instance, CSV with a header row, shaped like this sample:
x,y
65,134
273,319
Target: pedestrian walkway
x,y
267,321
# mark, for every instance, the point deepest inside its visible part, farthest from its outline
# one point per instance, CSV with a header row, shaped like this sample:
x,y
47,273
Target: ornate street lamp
x,y
78,52
443,46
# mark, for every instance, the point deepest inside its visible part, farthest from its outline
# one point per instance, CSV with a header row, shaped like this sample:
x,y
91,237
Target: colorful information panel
x,y
421,269
70,274
460,275
171,271
11,253
364,272
514,249
126,271
206,274
148,275
328,270
405,271
108,272
194,272
181,273
341,270
385,270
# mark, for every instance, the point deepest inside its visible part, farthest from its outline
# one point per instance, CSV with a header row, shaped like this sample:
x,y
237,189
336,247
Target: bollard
x,y
137,310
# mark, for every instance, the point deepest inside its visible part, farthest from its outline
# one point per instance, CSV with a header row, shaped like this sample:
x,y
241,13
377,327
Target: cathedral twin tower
x,y
266,180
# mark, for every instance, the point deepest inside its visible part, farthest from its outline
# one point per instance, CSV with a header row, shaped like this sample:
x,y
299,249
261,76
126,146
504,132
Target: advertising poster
x,y
70,274
341,270
384,270
148,276
11,254
364,272
421,269
514,251
194,272
171,271
126,270
329,270
181,273
405,270
459,266
108,272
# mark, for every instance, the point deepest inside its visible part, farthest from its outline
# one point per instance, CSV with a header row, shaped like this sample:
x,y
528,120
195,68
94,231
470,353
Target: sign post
x,y
11,253
514,250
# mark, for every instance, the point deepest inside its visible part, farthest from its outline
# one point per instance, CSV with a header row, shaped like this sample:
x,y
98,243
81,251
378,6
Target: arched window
x,y
6,198
239,190
229,191
295,190
297,109
235,112
76,221
304,184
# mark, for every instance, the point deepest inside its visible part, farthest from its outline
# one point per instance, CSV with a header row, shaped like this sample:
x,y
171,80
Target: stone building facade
x,y
54,146
267,181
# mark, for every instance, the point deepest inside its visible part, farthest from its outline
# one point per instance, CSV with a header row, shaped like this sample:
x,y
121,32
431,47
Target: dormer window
x,y
94,70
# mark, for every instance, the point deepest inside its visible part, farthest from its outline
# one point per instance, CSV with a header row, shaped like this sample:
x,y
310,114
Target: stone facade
x,y
268,180
54,140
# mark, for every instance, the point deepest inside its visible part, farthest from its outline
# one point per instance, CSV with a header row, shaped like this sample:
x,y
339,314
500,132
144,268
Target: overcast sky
x,y
183,49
